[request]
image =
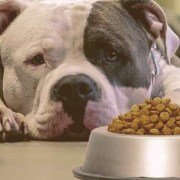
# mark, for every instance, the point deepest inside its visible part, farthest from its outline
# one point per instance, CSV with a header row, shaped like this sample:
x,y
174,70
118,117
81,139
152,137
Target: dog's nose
x,y
75,89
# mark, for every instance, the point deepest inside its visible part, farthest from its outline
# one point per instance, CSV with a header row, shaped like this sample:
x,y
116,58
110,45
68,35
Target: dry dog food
x,y
154,117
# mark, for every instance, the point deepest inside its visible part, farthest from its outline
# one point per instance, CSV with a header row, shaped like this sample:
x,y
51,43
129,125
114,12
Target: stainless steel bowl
x,y
117,156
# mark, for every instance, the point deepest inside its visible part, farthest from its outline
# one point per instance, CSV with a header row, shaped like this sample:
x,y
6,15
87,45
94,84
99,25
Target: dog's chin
x,y
52,123
55,125
67,135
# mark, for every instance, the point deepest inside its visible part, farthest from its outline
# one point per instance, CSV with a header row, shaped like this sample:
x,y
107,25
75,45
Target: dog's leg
x,y
168,82
12,125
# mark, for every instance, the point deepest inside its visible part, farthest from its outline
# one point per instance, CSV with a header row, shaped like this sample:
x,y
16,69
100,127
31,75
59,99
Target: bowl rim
x,y
104,130
80,174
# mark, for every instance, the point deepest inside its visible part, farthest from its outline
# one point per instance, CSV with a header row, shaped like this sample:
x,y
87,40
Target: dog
x,y
69,66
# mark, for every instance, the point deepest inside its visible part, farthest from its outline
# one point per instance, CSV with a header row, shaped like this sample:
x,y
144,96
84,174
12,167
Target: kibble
x,y
177,131
154,118
140,132
164,116
160,107
171,123
154,132
158,116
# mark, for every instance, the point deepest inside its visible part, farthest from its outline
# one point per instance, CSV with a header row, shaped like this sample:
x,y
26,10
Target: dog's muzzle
x,y
74,91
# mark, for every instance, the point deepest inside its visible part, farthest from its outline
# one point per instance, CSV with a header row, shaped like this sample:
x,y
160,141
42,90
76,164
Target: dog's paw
x,y
12,126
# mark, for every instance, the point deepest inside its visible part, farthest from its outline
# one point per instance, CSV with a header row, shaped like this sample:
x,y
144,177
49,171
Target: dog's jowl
x,y
68,67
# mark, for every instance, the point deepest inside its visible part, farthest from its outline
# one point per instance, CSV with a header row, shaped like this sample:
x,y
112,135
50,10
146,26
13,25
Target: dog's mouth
x,y
52,123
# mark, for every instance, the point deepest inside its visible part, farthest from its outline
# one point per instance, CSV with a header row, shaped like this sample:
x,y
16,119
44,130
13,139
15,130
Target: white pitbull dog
x,y
68,66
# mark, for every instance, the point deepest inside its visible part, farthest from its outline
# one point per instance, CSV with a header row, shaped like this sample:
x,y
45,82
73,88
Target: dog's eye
x,y
38,60
111,54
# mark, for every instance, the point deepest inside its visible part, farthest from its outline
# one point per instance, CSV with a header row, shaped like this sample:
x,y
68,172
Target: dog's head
x,y
71,66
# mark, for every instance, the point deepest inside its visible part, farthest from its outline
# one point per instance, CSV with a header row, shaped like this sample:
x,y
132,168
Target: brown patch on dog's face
x,y
111,29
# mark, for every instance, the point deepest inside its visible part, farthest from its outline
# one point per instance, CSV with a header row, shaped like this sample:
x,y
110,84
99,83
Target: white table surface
x,y
40,160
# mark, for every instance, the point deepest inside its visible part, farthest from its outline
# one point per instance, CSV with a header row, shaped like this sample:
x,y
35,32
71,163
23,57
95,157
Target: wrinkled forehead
x,y
72,12
71,2
66,2
68,20
51,17
47,18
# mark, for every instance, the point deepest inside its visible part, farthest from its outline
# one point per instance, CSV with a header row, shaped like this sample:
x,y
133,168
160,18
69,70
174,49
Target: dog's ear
x,y
9,10
151,16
